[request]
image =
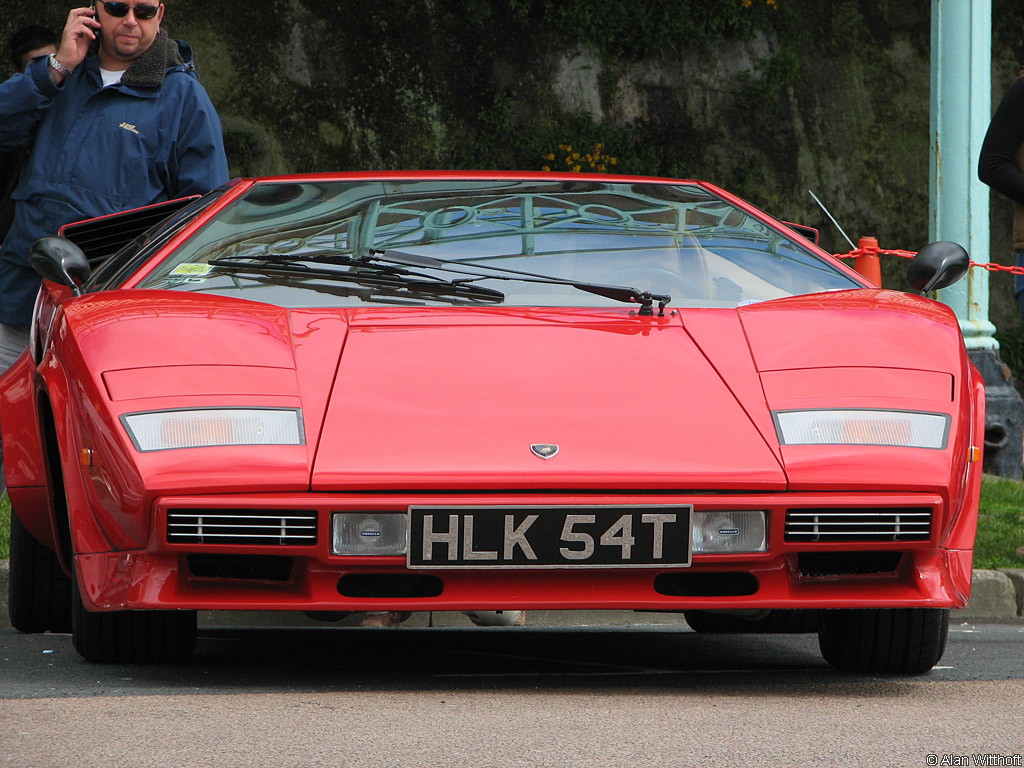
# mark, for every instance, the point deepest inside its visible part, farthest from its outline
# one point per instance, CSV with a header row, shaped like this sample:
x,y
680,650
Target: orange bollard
x,y
867,262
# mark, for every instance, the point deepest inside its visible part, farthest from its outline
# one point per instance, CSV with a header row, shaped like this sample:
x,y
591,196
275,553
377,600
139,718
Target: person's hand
x,y
80,30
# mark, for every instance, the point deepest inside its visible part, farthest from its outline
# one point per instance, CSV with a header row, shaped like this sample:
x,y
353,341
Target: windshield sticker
x,y
193,269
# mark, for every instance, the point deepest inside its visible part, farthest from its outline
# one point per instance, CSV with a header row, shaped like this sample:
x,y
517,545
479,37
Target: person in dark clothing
x,y
116,119
25,45
1000,166
30,43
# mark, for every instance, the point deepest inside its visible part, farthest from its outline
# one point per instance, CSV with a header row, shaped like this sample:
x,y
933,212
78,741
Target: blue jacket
x,y
154,136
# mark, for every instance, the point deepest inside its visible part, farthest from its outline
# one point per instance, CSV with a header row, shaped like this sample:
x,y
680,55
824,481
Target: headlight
x,y
862,427
732,531
368,533
207,427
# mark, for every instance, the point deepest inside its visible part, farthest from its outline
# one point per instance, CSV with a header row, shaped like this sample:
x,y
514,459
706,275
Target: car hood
x,y
449,398
629,404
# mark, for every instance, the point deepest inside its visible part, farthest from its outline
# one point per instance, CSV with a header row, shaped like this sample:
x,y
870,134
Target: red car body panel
x,y
440,405
627,427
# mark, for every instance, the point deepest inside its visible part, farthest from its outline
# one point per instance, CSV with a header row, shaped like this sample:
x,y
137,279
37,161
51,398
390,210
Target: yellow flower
x,y
594,161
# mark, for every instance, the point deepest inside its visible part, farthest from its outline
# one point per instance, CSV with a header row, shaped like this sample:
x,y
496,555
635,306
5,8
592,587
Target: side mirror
x,y
938,265
60,261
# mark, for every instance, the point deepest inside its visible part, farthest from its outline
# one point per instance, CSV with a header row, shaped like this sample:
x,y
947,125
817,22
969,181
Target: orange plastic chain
x,y
868,250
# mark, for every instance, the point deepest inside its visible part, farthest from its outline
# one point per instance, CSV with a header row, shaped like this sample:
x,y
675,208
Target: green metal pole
x,y
961,106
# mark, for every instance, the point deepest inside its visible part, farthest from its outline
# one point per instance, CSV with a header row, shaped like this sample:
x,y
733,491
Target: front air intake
x,y
240,567
823,565
266,527
833,526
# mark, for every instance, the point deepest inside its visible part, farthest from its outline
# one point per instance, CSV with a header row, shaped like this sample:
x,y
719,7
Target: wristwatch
x,y
56,65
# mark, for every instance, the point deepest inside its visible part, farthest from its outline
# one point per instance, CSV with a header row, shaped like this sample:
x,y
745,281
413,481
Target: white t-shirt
x,y
110,77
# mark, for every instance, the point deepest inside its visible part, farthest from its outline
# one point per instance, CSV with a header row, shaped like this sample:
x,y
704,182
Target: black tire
x,y
780,621
131,637
38,590
894,640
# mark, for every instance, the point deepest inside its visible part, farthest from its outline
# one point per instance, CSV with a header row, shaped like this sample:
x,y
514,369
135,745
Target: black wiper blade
x,y
297,259
400,280
622,293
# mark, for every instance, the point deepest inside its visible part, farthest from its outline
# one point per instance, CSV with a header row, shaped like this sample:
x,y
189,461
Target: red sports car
x,y
474,392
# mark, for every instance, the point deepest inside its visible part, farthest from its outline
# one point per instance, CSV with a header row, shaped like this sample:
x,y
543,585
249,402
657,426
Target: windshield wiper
x,y
375,275
622,293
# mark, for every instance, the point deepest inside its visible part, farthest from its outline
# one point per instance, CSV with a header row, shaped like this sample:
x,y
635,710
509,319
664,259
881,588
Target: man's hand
x,y
80,30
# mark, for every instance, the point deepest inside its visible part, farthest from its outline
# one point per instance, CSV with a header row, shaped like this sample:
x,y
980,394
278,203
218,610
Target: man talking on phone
x,y
116,119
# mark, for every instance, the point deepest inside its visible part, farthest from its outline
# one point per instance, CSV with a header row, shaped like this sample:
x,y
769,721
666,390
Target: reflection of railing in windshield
x,y
525,217
523,223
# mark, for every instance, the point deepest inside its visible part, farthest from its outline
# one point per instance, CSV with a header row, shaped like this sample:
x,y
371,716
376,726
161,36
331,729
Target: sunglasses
x,y
120,10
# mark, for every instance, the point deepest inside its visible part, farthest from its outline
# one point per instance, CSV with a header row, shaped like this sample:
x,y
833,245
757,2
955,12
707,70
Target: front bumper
x,y
883,569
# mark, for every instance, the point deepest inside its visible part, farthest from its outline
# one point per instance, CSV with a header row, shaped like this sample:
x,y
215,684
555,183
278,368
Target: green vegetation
x,y
633,30
1000,527
1000,523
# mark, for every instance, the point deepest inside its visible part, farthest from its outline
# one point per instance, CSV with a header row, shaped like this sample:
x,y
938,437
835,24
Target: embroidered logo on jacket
x,y
129,127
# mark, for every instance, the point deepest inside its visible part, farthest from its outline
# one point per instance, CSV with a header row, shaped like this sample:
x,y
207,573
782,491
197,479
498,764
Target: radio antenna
x,y
852,246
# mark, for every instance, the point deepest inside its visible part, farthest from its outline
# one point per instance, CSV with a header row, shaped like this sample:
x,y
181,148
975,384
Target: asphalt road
x,y
469,697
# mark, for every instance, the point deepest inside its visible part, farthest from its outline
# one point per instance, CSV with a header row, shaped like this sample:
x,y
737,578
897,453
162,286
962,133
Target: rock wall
x,y
768,98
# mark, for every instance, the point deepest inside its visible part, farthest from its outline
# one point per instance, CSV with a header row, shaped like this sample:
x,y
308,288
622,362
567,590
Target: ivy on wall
x,y
651,27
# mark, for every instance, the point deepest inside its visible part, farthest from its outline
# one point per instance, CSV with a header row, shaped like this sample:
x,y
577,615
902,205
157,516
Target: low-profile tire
x,y
780,621
38,590
131,637
884,640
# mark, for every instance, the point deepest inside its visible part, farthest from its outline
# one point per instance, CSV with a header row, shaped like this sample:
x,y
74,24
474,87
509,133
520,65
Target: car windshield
x,y
305,243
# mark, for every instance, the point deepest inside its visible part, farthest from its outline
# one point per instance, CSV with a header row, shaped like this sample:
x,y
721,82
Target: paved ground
x,y
504,698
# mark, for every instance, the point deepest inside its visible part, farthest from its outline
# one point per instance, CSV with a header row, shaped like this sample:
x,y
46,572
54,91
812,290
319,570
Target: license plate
x,y
619,536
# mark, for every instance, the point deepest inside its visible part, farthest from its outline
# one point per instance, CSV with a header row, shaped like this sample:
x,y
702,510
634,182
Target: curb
x,y
995,596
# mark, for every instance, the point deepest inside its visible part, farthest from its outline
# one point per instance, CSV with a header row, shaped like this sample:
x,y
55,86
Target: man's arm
x,y
25,98
80,30
996,164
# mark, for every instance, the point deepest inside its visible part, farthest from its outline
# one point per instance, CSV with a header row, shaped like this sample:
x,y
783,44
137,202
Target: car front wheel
x,y
131,637
890,640
38,590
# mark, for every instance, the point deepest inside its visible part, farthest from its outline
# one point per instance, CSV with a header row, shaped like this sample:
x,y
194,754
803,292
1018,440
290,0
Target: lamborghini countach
x,y
400,392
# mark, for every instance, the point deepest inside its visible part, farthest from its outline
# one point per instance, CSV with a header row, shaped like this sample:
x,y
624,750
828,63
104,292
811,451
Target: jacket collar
x,y
149,69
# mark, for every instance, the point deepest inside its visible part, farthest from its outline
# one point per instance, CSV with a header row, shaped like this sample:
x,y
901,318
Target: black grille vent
x,y
267,527
816,565
845,524
240,567
100,238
